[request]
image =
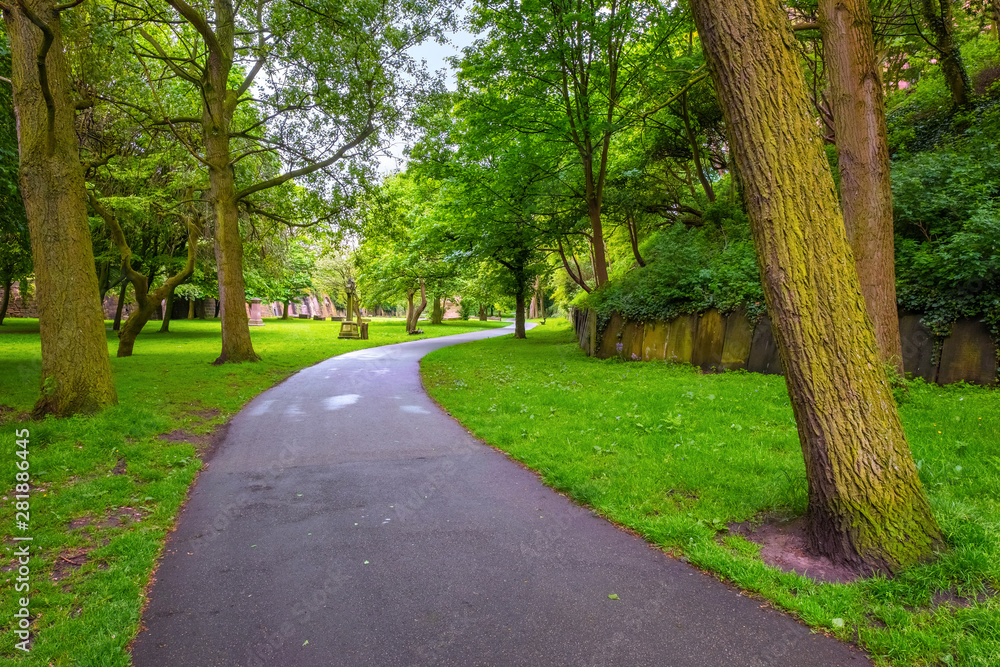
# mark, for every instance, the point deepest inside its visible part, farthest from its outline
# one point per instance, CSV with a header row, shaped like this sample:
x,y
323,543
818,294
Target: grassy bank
x,y
106,489
679,457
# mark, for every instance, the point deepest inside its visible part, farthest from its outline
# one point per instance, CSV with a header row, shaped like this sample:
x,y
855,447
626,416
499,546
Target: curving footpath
x,y
346,520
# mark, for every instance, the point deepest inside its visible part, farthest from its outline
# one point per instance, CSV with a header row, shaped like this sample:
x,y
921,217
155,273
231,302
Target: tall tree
x,y
334,79
563,69
857,98
76,370
867,507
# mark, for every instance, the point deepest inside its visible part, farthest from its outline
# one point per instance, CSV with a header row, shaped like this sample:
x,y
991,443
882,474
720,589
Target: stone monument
x,y
349,328
255,318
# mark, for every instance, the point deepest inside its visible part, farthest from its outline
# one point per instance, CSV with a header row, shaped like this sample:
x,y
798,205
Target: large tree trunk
x,y
76,369
218,105
437,312
6,301
121,304
939,18
519,299
482,313
284,311
867,508
863,157
133,325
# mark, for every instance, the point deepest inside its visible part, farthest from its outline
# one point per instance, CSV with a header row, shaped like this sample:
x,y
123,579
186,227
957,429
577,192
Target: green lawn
x,y
106,489
677,456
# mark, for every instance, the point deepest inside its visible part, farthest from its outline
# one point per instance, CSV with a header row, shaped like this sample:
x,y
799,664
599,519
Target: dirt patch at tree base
x,y
784,546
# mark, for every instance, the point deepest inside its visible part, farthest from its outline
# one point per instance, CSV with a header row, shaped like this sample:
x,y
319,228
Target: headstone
x,y
680,338
654,341
631,341
763,350
969,354
303,316
592,332
611,338
918,347
736,348
708,341
255,318
319,318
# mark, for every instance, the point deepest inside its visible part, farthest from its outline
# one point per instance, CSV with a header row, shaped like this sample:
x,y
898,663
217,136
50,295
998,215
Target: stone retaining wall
x,y
716,342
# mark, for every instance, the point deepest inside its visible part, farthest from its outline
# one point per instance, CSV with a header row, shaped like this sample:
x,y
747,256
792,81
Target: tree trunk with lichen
x,y
216,117
858,103
867,508
76,369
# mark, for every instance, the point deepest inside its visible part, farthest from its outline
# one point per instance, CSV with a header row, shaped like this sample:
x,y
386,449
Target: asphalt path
x,y
347,520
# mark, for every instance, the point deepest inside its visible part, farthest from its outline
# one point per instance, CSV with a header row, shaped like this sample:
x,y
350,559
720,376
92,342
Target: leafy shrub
x,y
687,270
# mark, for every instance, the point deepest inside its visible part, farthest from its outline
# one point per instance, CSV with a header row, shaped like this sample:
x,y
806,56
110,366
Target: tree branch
x,y
200,24
295,173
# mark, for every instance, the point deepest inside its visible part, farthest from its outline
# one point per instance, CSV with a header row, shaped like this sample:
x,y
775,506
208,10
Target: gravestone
x,y
918,348
969,354
631,341
680,338
739,335
708,340
611,338
255,318
763,350
654,341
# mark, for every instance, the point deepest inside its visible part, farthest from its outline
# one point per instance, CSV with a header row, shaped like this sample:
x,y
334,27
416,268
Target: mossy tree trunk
x,y
284,310
146,300
76,369
858,102
867,508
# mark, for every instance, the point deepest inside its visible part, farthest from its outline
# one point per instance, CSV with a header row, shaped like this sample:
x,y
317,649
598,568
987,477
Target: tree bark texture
x,y
284,311
858,102
482,313
867,508
76,369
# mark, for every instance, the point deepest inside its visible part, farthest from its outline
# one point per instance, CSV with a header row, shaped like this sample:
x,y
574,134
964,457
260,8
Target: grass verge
x,y
105,489
679,456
